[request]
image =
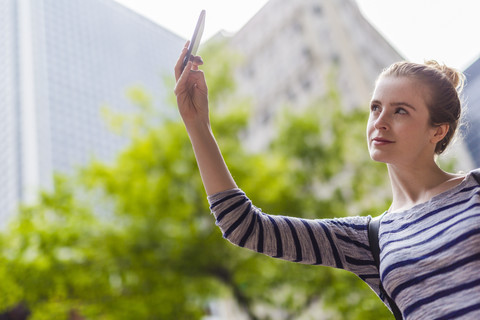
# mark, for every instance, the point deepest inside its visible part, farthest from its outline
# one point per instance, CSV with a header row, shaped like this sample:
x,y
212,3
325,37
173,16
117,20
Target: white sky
x,y
444,30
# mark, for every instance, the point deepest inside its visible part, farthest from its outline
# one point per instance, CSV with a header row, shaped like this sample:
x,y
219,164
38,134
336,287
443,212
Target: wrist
x,y
198,128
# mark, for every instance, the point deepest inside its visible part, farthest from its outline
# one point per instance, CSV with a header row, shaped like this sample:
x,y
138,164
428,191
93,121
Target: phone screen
x,y
197,36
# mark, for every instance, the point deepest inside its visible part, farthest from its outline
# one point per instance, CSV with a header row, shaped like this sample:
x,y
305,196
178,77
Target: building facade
x,y
295,51
61,62
471,129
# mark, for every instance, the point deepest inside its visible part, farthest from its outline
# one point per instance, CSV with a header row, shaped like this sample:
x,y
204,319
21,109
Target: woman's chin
x,y
378,157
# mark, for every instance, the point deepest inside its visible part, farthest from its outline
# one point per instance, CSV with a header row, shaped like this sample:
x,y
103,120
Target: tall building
x,y
472,115
292,49
60,63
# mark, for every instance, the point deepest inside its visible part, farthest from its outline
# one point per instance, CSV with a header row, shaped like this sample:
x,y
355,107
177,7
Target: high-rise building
x,y
293,46
294,50
60,63
472,115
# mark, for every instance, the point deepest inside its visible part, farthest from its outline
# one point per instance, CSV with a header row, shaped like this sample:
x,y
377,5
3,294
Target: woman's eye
x,y
401,111
374,107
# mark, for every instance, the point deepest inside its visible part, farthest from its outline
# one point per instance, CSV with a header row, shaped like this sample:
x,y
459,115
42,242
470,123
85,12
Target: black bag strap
x,y
373,228
476,176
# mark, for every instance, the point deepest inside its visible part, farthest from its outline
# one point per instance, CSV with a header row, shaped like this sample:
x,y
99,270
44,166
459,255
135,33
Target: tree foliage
x,y
134,239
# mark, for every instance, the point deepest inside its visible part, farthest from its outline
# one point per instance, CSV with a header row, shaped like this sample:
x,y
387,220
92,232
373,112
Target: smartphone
x,y
197,36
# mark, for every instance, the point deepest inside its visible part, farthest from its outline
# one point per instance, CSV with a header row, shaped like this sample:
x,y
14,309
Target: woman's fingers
x,y
190,71
179,64
201,82
183,78
197,61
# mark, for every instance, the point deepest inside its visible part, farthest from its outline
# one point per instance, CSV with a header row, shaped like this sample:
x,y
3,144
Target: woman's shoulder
x,y
462,180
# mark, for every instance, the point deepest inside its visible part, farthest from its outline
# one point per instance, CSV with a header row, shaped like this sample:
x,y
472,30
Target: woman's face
x,y
398,129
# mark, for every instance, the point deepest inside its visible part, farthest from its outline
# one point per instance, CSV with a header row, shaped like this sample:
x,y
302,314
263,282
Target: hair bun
x,y
457,78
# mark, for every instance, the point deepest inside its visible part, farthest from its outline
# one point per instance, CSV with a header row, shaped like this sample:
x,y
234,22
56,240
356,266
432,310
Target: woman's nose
x,y
382,122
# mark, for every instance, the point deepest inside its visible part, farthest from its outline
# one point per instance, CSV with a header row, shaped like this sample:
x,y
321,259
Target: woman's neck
x,y
415,185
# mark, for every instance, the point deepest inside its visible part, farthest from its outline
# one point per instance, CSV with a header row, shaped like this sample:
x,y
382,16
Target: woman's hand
x,y
191,90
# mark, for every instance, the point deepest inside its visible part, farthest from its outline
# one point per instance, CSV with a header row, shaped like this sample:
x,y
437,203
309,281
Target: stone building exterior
x,y
471,130
61,62
293,50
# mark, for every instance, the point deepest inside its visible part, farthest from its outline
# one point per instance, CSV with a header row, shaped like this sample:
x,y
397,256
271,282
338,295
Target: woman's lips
x,y
381,141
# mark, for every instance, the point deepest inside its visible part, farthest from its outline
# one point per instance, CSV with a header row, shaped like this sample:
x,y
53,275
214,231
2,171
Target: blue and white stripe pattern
x,y
429,259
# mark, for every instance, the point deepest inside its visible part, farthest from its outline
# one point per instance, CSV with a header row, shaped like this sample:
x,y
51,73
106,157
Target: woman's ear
x,y
440,131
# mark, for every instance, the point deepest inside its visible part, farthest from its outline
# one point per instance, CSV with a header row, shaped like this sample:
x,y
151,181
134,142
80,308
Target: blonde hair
x,y
445,85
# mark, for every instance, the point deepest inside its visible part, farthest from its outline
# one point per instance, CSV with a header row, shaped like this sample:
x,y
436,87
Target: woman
x,y
429,237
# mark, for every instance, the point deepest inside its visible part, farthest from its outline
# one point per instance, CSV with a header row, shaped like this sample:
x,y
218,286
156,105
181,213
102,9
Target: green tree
x,y
134,240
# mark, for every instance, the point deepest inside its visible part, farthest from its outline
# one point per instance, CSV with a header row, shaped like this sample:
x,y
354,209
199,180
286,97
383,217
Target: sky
x,y
444,30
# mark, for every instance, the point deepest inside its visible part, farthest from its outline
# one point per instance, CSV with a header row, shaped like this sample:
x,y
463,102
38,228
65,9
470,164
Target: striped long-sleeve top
x,y
429,254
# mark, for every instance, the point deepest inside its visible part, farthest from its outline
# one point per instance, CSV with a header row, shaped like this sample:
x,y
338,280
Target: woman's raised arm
x,y
192,99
